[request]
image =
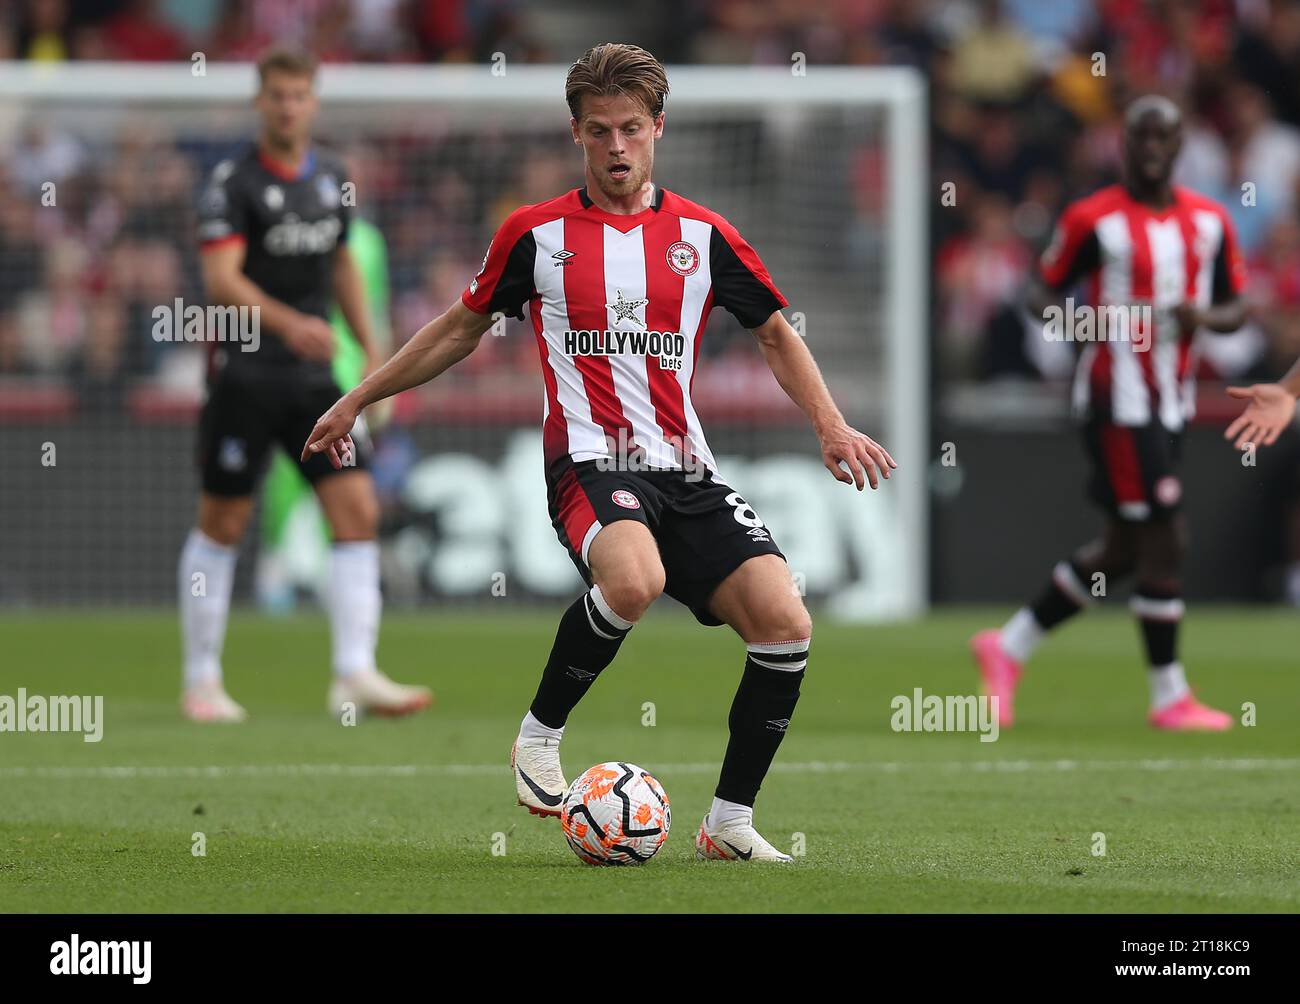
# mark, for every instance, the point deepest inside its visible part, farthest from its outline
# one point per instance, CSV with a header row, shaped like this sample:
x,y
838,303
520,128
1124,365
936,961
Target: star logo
x,y
625,310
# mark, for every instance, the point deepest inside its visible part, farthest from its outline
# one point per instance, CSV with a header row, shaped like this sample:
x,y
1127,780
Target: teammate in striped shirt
x,y
1159,263
617,279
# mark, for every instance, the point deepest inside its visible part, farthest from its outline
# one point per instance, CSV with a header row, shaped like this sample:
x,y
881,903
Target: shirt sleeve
x,y
505,282
1073,252
741,283
1229,267
223,216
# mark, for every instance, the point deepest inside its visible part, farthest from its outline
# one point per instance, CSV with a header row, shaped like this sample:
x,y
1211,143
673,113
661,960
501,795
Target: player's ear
x,y
573,127
659,125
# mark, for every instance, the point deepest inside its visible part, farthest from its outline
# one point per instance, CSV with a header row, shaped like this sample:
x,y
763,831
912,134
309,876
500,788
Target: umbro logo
x,y
562,256
778,724
759,533
582,675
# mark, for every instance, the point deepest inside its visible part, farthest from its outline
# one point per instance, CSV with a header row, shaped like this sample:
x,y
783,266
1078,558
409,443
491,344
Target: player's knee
x,y
1118,561
783,622
224,523
631,591
356,518
1161,552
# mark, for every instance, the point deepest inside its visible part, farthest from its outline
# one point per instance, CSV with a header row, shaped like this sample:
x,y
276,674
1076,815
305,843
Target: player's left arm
x,y
797,372
1228,309
350,293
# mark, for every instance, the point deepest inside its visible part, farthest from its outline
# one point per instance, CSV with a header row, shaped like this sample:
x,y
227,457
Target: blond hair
x,y
614,68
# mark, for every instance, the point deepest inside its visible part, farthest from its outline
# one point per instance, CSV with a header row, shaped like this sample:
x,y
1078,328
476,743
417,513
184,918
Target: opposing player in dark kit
x,y
273,231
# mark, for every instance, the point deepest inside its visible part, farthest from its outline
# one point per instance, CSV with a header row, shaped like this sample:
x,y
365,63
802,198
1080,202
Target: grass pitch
x,y
300,813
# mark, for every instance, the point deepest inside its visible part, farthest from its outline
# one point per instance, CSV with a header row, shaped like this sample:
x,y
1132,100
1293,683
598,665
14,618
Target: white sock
x,y
724,813
1021,635
354,605
531,728
1168,684
205,577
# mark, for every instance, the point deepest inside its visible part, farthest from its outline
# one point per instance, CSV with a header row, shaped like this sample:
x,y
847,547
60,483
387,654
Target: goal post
x,y
824,173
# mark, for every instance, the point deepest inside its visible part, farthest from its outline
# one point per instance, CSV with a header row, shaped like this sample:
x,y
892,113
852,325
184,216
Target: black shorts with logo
x,y
1135,469
703,527
246,413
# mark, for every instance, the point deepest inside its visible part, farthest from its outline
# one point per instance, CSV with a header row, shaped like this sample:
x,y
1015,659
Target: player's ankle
x,y
532,728
726,814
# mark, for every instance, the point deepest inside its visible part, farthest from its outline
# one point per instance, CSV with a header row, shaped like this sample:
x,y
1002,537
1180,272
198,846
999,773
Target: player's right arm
x,y
1072,254
502,286
226,285
436,347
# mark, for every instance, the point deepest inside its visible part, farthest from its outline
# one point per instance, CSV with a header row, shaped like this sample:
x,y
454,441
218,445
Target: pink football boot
x,y
1187,714
999,671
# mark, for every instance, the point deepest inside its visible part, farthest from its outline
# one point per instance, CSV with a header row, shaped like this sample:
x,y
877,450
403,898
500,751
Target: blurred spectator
x,y
1268,56
978,274
52,317
43,155
994,61
1258,151
44,31
139,33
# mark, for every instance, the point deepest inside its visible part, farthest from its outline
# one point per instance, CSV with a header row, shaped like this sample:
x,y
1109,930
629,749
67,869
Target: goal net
x,y
822,173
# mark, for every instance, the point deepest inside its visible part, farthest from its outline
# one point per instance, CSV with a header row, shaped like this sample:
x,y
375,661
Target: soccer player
x,y
618,278
273,231
1168,258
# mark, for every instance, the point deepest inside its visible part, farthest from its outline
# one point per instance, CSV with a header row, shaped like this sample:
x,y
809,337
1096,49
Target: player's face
x,y
287,103
617,135
1151,145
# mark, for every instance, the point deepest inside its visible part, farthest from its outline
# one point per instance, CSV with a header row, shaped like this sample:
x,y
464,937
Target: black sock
x,y
585,643
759,717
1066,594
1160,613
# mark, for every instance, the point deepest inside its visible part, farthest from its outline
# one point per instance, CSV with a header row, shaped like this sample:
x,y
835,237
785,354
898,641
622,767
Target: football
x,y
615,814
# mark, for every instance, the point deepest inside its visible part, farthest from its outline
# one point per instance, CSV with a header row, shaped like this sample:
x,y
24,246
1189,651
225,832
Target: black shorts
x,y
1134,469
245,414
704,529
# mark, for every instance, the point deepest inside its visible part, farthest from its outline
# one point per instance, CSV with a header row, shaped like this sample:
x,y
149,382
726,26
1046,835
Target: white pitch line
x,y
480,769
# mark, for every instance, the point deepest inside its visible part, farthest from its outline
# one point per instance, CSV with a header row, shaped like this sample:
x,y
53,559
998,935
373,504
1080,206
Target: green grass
x,y
896,822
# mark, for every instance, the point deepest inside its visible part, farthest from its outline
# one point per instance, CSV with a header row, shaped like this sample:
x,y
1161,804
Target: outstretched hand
x,y
866,459
332,434
1270,411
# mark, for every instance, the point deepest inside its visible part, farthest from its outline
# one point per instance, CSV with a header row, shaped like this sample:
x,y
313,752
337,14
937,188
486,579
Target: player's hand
x,y
332,433
311,338
866,459
1271,409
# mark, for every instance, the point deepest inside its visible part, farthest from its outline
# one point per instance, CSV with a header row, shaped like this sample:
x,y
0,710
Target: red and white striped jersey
x,y
617,304
1133,256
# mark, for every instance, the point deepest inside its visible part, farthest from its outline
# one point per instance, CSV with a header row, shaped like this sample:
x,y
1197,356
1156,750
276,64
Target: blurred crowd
x,y
1025,101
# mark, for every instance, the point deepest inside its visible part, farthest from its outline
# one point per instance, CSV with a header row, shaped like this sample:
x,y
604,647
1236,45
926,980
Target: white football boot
x,y
539,780
371,692
209,702
737,841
